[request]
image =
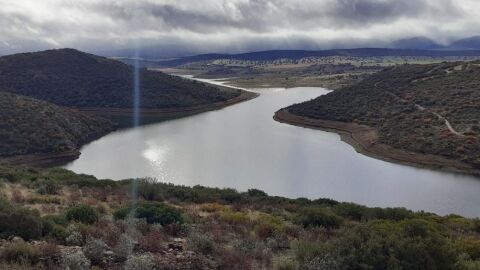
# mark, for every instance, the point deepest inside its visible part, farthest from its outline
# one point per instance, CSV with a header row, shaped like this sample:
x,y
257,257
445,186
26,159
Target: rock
x,y
175,246
17,239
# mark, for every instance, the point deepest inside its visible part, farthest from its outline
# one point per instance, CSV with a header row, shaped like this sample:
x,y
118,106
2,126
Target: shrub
x,y
353,211
21,252
256,193
139,262
201,242
212,207
230,195
153,212
318,217
149,189
285,264
54,226
15,221
152,241
17,196
75,261
124,247
306,251
234,260
94,249
234,218
82,213
268,226
75,237
50,251
47,187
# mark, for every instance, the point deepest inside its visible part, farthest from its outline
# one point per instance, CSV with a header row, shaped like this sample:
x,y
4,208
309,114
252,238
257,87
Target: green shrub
x,y
230,195
153,212
285,264
256,193
20,252
201,242
306,251
267,226
318,217
82,213
353,211
16,221
149,189
47,187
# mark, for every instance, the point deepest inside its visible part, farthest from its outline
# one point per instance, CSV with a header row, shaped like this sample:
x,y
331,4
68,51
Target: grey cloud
x,y
229,25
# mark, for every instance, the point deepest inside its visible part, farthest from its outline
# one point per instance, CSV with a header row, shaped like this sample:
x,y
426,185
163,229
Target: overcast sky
x,y
199,26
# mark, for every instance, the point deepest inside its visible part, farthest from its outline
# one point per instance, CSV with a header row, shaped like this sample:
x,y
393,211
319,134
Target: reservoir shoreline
x,y
124,115
364,140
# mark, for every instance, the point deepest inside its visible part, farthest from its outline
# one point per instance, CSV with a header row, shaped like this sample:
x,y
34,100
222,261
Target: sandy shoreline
x,y
365,141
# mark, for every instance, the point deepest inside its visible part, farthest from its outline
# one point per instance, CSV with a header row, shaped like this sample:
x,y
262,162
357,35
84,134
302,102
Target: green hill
x,y
72,78
30,126
428,109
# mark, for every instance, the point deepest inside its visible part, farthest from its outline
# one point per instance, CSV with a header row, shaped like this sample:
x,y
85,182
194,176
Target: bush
x,y
318,217
20,252
141,262
75,261
353,211
82,213
149,189
230,195
285,264
124,247
256,193
152,241
212,207
153,212
234,218
268,226
306,251
94,249
15,221
201,242
53,226
47,187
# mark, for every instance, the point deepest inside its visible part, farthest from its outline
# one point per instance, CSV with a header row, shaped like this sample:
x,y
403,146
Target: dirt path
x,y
421,108
365,141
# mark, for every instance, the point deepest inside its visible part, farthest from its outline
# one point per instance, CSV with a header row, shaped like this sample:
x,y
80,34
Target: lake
x,y
242,147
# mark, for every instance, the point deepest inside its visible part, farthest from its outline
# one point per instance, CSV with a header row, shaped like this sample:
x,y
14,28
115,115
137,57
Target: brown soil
x,y
365,141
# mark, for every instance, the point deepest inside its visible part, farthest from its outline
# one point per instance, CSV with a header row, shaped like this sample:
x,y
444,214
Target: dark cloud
x,y
229,25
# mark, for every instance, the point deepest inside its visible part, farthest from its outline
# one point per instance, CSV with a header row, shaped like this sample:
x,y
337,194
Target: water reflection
x,y
242,147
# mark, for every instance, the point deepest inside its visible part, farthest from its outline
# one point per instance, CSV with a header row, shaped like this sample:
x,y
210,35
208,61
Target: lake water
x,y
242,147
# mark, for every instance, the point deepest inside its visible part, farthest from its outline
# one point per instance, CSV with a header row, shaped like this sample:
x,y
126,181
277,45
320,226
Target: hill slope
x,y
30,126
299,54
69,77
427,109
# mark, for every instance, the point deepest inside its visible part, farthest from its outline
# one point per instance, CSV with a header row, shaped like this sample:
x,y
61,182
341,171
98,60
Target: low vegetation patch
x,y
198,228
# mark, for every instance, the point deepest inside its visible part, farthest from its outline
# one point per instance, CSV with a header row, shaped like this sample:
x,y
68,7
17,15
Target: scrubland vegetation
x,y
30,126
40,93
54,219
408,106
72,78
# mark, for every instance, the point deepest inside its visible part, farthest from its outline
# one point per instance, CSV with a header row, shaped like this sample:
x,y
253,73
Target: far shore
x,y
123,116
364,140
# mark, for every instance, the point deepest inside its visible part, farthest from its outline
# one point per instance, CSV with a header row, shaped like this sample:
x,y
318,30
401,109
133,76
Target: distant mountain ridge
x,y
299,54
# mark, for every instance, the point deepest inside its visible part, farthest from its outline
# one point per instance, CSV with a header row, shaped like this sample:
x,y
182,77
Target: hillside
x,y
56,219
30,126
299,54
426,109
72,78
